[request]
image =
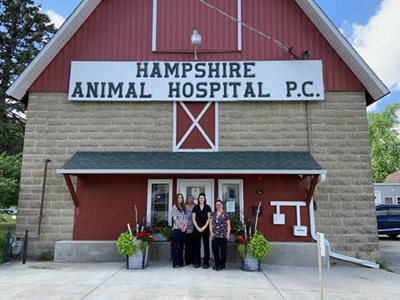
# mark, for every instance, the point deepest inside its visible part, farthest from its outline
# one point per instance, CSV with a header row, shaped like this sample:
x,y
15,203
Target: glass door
x,y
196,186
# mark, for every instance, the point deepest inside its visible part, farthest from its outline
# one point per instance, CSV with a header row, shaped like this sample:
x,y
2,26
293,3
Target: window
x,y
159,201
231,193
388,200
398,199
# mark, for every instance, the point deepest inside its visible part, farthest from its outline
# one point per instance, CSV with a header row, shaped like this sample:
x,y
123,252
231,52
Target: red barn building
x,y
270,107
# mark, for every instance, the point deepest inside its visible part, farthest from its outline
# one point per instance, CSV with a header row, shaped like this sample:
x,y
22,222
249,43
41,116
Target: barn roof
x,y
375,87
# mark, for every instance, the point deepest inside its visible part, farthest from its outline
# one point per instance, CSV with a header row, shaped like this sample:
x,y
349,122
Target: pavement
x,y
49,280
390,252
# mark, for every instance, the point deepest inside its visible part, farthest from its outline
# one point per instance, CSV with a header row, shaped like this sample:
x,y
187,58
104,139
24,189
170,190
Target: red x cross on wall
x,y
195,126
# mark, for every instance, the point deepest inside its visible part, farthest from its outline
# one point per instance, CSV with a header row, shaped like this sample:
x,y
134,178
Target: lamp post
x,y
196,41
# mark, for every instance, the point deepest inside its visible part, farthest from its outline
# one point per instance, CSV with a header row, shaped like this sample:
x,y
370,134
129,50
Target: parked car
x,y
10,211
388,218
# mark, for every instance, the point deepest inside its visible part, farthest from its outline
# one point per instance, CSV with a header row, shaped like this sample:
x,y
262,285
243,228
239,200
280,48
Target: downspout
x,y
365,263
42,197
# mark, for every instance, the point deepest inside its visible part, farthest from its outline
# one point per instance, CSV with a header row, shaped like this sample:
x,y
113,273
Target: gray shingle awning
x,y
248,162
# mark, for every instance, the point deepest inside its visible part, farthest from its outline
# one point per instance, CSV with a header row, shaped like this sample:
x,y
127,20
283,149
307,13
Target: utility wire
x,y
278,43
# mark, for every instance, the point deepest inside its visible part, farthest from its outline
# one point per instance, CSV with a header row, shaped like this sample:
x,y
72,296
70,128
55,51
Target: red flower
x,y
241,239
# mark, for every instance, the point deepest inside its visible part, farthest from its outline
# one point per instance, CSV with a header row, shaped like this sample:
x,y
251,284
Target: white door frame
x,y
149,198
241,195
181,185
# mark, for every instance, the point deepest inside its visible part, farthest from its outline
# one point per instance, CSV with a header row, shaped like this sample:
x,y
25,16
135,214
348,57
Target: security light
x,y
196,41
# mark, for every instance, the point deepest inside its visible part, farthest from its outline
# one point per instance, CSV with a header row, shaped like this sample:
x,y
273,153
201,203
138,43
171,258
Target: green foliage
x,y
126,245
7,222
10,170
2,247
11,136
256,245
163,228
259,247
23,32
242,248
45,256
384,141
236,224
384,265
167,232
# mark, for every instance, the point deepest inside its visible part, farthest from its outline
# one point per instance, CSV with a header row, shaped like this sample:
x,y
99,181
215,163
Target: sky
x,y
365,23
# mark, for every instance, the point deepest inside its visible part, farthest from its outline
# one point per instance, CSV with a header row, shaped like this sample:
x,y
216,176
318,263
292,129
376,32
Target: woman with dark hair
x,y
179,233
220,229
201,220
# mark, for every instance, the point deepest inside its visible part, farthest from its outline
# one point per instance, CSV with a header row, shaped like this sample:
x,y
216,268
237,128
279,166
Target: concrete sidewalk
x,y
48,280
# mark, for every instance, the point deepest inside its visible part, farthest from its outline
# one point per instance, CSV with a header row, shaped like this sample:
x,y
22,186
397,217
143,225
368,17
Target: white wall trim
x,y
216,133
239,25
174,126
154,27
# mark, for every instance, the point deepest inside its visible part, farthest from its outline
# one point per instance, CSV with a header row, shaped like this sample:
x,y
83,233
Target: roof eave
x,y
375,87
190,171
20,87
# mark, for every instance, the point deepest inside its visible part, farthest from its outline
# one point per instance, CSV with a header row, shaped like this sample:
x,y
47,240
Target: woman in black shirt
x,y
201,220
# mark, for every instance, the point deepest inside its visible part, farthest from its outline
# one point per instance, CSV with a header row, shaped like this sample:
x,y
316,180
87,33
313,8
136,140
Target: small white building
x,y
387,193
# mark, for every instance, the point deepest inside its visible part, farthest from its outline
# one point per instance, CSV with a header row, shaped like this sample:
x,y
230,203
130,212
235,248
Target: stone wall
x,y
57,128
340,143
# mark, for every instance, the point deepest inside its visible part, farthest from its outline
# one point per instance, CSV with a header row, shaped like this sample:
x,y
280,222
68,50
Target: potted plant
x,y
134,245
162,231
252,247
252,250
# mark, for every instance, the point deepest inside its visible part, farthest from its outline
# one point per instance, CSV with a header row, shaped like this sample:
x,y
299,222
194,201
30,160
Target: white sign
x,y
196,81
230,206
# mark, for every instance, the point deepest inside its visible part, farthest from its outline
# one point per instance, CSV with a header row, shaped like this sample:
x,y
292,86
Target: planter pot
x,y
159,237
250,263
139,260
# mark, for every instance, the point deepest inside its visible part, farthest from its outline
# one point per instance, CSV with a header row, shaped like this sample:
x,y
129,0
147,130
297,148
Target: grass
x,y
384,265
6,221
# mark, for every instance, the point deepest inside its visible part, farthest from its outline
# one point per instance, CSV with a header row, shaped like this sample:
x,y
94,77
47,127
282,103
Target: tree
x,y
23,32
10,169
384,141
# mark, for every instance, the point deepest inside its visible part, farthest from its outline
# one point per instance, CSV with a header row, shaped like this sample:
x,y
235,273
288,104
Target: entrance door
x,y
196,186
